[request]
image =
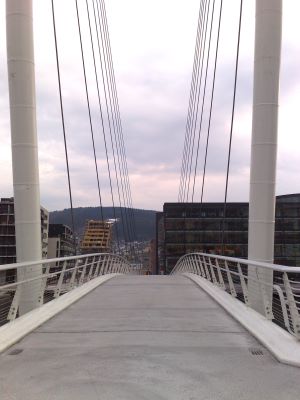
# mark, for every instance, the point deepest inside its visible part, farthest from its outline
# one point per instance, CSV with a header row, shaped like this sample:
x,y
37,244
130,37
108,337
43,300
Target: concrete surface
x,y
144,337
284,346
17,329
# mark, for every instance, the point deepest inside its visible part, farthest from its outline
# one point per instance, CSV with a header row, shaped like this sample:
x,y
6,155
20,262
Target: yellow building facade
x,y
97,237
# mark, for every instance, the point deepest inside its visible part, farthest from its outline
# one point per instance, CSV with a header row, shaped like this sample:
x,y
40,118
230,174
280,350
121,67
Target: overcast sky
x,y
153,48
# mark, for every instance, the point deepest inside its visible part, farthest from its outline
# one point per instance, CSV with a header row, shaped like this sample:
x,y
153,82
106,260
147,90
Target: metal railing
x,y
49,279
275,287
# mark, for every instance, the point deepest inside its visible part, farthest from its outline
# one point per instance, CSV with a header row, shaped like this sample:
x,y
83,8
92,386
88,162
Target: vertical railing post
x,y
81,280
221,280
43,285
202,273
214,279
182,265
91,268
114,266
265,290
190,264
243,284
97,267
120,262
196,263
202,266
111,265
60,280
292,305
106,265
15,304
186,264
102,265
122,267
71,283
208,277
230,281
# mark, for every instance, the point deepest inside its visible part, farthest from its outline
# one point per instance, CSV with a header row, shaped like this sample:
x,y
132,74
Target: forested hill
x,y
145,219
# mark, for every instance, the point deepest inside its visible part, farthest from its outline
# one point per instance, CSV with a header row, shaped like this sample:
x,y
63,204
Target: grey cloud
x,y
153,92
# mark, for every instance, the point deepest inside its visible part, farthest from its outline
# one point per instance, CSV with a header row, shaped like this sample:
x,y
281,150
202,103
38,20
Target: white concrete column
x,y
21,76
264,141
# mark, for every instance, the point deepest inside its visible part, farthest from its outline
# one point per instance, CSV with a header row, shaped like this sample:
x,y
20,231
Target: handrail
x,y
5,267
261,264
23,288
276,296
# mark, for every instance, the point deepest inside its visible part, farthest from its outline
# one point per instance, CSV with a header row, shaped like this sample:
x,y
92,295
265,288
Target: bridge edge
x,y
284,347
14,331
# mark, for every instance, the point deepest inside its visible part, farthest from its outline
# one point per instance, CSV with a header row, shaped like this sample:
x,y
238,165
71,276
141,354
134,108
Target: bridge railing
x,y
280,297
54,278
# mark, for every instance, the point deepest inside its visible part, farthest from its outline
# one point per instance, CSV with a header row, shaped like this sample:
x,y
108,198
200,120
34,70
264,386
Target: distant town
x,y
161,237
90,235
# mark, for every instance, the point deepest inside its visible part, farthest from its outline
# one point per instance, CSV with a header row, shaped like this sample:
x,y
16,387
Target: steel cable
x,y
108,116
112,124
232,121
203,101
212,99
125,221
100,109
192,88
63,125
89,108
193,92
120,130
199,91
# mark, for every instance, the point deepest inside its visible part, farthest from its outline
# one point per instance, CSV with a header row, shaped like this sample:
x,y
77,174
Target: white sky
x,y
153,48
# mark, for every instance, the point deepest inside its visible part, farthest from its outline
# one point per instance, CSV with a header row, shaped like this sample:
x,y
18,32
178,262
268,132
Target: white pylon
x,y
264,145
21,76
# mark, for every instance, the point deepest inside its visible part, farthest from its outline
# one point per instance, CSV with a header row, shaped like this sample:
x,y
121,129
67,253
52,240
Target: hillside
x,y
145,219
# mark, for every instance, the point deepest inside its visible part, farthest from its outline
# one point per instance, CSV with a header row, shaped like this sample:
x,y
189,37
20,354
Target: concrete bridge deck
x,y
144,337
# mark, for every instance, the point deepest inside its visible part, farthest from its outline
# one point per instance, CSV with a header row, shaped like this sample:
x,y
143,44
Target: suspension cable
x,y
232,121
120,136
89,108
99,103
193,92
199,92
192,88
124,171
203,101
125,221
212,99
63,126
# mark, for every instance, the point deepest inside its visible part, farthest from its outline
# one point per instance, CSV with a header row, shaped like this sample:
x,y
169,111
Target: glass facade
x,y
188,227
7,231
63,239
160,248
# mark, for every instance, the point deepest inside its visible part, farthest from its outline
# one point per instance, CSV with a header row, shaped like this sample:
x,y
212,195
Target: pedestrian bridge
x,y
142,337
